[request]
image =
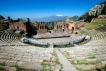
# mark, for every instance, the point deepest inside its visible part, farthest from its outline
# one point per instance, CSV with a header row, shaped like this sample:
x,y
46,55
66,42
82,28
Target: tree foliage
x,y
86,17
50,25
30,29
103,12
4,26
1,17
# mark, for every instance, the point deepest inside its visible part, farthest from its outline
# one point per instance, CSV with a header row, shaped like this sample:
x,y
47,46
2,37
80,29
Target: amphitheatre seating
x,y
28,57
102,29
90,55
8,37
14,53
95,35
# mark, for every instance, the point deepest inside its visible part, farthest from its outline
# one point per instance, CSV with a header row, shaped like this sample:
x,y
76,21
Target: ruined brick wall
x,y
61,27
21,26
41,28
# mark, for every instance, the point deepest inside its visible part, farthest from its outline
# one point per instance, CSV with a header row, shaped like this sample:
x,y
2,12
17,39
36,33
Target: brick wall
x,y
17,26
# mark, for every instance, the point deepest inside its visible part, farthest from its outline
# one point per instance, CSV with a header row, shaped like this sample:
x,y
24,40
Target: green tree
x,y
103,12
1,17
50,25
9,18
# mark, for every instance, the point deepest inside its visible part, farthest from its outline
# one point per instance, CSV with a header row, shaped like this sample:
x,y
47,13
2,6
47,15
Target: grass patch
x,y
52,64
91,55
86,62
2,68
95,24
84,32
45,66
2,64
22,69
101,68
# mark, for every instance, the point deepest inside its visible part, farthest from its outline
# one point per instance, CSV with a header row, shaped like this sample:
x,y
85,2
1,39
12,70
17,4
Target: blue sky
x,y
42,8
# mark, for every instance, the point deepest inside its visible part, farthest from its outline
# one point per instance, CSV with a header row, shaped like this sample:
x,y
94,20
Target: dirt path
x,y
67,66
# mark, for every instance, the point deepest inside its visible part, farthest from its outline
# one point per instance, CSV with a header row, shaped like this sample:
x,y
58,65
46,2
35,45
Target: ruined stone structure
x,y
65,26
20,26
79,24
71,25
4,25
1,22
61,27
41,27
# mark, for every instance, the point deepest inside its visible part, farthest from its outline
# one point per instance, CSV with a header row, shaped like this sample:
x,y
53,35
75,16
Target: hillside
x,y
96,24
99,9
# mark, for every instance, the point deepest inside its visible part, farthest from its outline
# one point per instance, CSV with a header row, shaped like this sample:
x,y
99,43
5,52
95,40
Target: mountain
x,y
51,18
75,18
99,9
54,18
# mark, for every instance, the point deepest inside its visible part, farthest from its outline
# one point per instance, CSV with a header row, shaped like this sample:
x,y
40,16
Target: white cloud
x,y
59,15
